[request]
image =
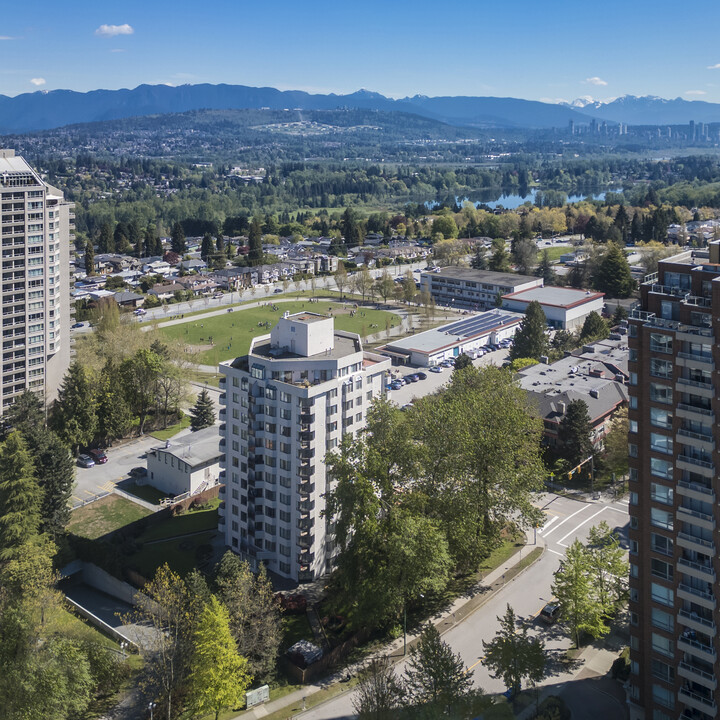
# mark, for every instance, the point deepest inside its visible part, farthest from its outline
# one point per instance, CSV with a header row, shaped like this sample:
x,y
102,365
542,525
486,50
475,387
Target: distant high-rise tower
x,y
571,126
691,133
35,299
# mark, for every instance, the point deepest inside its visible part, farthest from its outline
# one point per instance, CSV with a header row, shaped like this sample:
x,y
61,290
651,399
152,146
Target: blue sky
x,y
531,49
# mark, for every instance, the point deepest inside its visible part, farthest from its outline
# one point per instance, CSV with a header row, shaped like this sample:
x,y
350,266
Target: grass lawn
x,y
228,335
554,252
180,555
204,378
144,492
172,429
105,515
189,522
62,622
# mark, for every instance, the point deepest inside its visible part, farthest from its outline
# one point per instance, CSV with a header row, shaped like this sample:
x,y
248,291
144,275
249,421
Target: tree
x,y
512,655
385,286
530,340
177,240
218,675
409,287
203,412
594,328
612,274
73,414
113,412
462,361
19,498
436,676
255,255
479,259
615,455
106,242
545,269
89,258
499,259
255,620
341,277
619,315
573,587
575,432
140,373
524,254
608,567
26,412
206,247
350,228
379,694
446,226
363,282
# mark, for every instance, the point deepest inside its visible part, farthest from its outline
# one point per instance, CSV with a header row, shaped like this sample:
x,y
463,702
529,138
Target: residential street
x,y
567,519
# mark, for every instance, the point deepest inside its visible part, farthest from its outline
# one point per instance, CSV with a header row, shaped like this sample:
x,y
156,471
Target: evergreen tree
x,y
120,238
619,315
350,228
530,340
524,254
26,412
636,229
612,275
545,269
150,234
255,255
55,473
575,432
436,676
113,412
177,240
622,223
220,244
203,412
89,258
19,498
106,241
73,415
254,614
512,655
207,247
218,674
462,361
499,260
479,261
594,328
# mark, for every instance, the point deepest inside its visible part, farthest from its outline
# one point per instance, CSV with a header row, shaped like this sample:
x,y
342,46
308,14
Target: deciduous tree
x,y
379,694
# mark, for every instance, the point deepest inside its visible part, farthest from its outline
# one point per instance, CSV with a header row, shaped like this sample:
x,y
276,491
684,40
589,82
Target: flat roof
x,y
484,276
195,448
456,332
307,317
555,296
345,344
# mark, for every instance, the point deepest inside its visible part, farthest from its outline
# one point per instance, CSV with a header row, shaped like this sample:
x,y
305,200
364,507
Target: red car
x,y
98,456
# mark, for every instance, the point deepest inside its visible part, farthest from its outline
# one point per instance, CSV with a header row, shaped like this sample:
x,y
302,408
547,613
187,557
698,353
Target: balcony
x,y
700,597
695,490
693,412
688,644
697,702
305,540
693,621
691,464
697,570
305,524
702,360
695,517
695,674
696,440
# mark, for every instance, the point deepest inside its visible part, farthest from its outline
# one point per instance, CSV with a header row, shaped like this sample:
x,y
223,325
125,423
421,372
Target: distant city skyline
x,y
539,51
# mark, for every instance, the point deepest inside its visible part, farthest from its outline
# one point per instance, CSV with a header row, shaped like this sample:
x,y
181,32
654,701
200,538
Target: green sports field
x,y
228,335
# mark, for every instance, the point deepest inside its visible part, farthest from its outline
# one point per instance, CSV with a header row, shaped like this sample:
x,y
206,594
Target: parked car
x,y
277,290
138,472
436,369
139,311
98,456
85,461
421,376
77,325
411,378
550,613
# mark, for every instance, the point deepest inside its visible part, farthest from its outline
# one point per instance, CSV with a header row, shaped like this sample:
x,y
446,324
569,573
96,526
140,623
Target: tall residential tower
x,y
35,303
674,514
288,402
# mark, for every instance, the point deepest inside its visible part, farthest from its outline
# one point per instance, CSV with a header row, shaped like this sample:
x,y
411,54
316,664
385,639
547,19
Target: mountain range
x,y
44,110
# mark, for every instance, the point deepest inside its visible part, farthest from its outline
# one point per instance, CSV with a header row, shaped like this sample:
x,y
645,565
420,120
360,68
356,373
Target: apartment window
x,y
634,642
285,414
661,493
285,448
633,403
661,544
285,397
632,426
661,518
662,620
660,393
661,468
284,499
661,569
284,567
662,595
660,342
358,417
661,418
633,378
285,550
661,443
663,696
661,368
634,595
284,516
634,570
632,450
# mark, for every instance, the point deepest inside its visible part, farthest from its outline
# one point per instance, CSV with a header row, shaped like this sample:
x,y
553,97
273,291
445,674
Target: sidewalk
x,y
456,613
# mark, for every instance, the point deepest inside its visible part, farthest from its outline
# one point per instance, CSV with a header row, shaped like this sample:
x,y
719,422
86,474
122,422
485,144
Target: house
x,y
165,291
236,278
198,284
551,388
192,265
186,465
157,267
126,298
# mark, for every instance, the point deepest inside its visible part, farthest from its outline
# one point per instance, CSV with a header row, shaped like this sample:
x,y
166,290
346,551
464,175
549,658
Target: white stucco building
x,y
287,403
564,308
186,465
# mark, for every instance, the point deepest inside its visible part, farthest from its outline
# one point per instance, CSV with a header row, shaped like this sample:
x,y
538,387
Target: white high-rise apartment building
x,y
36,222
288,402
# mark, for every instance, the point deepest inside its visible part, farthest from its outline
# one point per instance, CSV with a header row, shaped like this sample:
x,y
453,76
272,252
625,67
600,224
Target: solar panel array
x,y
476,325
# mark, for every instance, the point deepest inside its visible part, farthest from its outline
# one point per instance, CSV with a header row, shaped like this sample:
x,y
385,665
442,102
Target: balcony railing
x,y
695,409
694,617
696,461
698,567
695,436
696,701
698,593
709,544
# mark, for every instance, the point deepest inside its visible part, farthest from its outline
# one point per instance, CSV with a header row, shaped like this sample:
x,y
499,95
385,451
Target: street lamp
x,y
151,706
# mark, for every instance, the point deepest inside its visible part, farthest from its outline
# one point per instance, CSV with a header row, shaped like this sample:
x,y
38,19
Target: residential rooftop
x,y
555,296
483,276
197,448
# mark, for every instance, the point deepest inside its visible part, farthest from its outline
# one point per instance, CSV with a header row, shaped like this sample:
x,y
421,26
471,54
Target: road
x,y
567,519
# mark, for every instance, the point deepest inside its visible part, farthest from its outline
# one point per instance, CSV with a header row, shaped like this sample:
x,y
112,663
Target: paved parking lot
x,y
435,381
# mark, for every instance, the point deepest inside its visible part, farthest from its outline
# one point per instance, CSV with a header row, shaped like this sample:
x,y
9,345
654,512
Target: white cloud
x,y
694,92
116,50
113,30
37,81
716,66
7,37
595,81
